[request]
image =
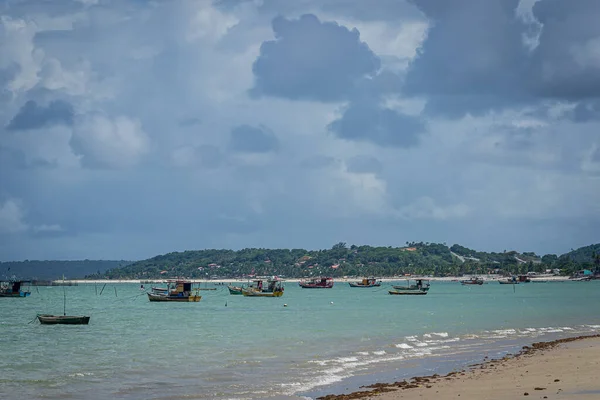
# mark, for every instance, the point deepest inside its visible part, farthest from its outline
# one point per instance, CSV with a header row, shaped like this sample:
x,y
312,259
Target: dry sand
x,y
562,369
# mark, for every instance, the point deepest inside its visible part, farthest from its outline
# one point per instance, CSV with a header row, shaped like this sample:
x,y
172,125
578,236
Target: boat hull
x,y
180,299
19,294
63,319
413,288
408,292
236,290
254,293
311,286
363,286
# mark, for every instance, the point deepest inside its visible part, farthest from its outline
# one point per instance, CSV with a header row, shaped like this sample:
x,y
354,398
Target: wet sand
x,y
561,369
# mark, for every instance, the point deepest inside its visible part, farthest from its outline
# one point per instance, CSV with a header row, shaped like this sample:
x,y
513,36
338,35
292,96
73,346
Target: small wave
x,y
421,344
80,374
379,352
442,334
403,346
505,331
345,359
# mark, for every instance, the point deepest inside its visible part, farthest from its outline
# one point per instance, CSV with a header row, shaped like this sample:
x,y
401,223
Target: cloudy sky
x,y
134,128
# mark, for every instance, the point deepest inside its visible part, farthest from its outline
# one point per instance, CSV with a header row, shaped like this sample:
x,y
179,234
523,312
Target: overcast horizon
x,y
130,129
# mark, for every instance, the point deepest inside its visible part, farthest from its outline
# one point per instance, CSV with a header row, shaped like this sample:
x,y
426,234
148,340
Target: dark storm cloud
x,y
567,61
312,60
364,165
472,59
249,139
369,121
34,116
587,111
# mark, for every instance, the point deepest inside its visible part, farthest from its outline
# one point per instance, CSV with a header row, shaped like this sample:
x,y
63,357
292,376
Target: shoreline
x,y
486,278
567,366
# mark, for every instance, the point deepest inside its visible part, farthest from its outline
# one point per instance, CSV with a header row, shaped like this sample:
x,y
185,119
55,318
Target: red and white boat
x,y
317,283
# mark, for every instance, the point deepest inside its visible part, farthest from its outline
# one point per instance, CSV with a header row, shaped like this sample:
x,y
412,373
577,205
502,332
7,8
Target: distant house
x,y
409,249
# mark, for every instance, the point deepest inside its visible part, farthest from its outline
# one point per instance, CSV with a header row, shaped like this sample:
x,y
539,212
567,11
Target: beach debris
x,y
557,380
525,394
539,388
285,305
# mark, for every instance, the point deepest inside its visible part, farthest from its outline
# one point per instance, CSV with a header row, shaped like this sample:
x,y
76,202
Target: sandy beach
x,y
561,369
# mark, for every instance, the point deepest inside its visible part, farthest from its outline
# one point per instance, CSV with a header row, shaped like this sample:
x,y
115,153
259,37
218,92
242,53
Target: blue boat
x,y
13,289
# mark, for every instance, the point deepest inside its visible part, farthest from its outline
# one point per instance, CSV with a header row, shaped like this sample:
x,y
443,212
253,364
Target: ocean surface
x,y
233,347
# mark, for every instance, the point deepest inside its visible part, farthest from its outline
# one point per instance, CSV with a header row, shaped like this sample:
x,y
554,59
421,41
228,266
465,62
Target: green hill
x,y
342,260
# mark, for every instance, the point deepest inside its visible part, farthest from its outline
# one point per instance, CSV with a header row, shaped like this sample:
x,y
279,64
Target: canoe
x,y
46,319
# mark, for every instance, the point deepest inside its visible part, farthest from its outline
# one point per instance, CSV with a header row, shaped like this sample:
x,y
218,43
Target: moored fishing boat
x,y
48,319
366,282
273,288
472,281
420,284
13,289
178,290
508,281
317,283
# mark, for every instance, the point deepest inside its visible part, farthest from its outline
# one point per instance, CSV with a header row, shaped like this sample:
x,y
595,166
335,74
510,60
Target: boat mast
x,y
64,297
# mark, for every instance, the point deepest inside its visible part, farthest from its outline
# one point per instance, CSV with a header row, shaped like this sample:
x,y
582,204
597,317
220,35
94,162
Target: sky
x,y
133,128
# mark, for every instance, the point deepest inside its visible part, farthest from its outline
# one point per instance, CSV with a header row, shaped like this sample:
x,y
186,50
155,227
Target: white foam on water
x,y
442,334
421,344
505,331
379,352
345,359
427,335
403,346
411,338
362,353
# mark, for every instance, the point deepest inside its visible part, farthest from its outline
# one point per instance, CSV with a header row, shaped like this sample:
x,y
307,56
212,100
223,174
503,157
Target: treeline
x,y
52,270
342,260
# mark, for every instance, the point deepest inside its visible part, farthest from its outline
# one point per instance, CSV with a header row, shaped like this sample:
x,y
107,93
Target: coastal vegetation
x,y
422,258
54,269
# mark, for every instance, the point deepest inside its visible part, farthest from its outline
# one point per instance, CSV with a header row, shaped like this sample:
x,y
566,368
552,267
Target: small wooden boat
x,y
366,282
408,292
472,281
178,290
273,288
46,319
317,283
13,289
420,284
234,289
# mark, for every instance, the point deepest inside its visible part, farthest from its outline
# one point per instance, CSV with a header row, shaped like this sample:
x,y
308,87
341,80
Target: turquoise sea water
x,y
234,347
